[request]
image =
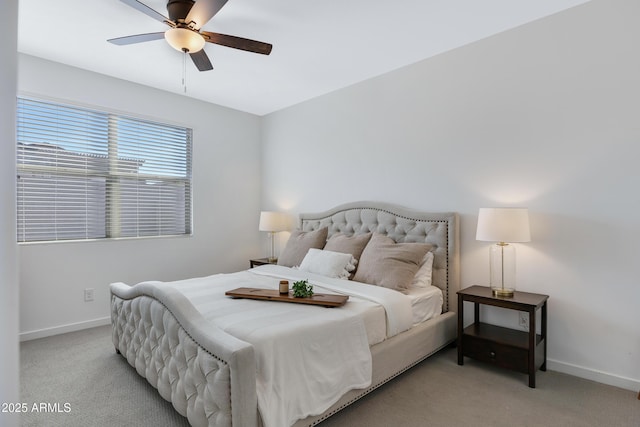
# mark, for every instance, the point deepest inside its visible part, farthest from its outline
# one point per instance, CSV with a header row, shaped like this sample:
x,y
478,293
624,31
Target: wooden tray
x,y
327,300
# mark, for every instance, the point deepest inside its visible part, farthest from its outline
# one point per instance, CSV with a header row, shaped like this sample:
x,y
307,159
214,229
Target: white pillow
x,y
328,263
422,279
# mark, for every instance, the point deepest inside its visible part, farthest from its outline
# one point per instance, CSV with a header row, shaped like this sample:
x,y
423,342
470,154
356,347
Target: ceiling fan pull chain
x,y
184,70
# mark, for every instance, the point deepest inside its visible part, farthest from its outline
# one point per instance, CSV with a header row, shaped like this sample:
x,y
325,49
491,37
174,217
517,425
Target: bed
x,y
198,362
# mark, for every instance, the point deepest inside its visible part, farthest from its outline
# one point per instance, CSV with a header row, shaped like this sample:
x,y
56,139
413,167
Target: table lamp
x,y
273,222
503,226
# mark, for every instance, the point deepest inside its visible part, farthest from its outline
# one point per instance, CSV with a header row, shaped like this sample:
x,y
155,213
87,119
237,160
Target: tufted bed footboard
x,y
207,374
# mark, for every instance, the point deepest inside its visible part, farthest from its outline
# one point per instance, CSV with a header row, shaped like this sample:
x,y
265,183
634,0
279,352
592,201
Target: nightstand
x,y
260,261
520,351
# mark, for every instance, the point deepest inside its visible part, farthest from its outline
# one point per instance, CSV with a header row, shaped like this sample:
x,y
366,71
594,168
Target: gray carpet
x,y
81,369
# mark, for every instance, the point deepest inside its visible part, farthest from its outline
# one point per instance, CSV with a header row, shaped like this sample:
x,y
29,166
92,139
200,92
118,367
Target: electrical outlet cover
x,y
523,320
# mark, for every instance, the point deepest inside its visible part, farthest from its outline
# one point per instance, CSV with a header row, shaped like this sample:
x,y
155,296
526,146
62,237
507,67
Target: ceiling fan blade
x,y
201,60
146,10
138,38
237,42
202,11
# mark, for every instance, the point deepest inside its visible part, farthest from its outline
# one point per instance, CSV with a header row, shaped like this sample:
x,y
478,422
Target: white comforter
x,y
307,356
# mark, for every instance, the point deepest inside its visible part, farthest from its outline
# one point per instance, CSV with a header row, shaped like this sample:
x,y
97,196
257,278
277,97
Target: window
x,y
85,174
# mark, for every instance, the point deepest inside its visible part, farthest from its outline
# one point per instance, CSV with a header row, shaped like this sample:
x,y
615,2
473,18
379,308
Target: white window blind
x,y
86,174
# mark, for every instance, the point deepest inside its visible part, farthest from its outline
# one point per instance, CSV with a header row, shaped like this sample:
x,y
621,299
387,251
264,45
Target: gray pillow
x,y
387,263
353,245
299,244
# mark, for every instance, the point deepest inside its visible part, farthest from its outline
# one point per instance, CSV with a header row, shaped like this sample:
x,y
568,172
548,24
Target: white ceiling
x,y
318,46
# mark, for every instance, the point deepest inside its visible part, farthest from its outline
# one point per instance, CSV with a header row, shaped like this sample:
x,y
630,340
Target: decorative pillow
x,y
422,279
328,263
353,245
390,264
299,244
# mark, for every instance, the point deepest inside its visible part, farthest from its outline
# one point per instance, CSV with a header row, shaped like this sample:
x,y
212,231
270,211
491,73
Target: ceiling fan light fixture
x,y
182,39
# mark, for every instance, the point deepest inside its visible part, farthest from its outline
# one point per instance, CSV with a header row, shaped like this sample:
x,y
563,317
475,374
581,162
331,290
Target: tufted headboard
x,y
440,229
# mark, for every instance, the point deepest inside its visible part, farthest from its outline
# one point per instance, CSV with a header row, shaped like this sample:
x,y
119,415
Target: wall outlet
x,y
88,294
523,320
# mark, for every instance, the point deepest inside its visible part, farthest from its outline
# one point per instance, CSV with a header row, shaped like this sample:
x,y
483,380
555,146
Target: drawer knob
x,y
492,354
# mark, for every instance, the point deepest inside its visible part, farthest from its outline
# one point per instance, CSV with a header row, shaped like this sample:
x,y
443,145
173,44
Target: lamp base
x,y
502,292
272,256
502,269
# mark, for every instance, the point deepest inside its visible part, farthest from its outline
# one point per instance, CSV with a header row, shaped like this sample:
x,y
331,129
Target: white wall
x,y
9,353
226,194
543,116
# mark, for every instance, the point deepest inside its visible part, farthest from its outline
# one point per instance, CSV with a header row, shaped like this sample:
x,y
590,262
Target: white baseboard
x,y
57,330
594,375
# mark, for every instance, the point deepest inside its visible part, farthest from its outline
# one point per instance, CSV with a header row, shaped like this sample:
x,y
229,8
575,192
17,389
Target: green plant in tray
x,y
302,289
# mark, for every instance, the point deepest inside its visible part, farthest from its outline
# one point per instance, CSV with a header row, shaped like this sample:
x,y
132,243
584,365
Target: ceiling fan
x,y
186,18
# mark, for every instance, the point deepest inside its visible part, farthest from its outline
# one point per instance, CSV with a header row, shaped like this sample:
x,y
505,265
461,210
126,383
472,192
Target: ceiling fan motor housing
x,y
179,9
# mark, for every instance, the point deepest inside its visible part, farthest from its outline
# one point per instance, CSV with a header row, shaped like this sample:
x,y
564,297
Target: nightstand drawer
x,y
505,356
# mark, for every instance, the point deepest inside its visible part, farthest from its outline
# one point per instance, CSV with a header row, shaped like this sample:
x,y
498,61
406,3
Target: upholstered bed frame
x,y
209,375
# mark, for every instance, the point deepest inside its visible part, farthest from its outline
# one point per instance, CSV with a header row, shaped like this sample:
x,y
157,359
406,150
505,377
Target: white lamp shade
x,y
184,39
273,221
510,225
